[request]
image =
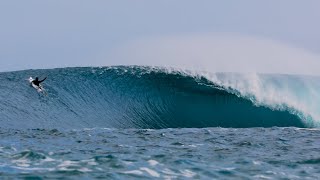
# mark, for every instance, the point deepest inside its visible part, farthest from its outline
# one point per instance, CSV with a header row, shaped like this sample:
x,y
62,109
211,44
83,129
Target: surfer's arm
x,y
43,80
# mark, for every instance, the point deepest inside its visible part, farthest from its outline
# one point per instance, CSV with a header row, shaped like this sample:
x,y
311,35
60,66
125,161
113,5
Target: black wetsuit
x,y
37,82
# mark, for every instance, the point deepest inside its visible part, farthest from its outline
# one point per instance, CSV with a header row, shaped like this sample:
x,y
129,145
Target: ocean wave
x,y
153,98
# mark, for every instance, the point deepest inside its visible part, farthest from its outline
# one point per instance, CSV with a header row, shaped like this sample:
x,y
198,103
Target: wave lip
x,y
139,97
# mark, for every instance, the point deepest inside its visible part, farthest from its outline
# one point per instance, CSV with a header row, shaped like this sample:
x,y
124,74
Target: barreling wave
x,y
145,97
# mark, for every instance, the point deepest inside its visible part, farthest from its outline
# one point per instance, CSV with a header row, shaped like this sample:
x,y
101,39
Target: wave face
x,y
143,97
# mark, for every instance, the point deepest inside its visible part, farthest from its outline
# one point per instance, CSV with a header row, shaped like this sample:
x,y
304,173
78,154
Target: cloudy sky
x,y
49,34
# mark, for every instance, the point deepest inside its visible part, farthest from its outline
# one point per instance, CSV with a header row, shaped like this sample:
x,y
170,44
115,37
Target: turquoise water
x,y
142,122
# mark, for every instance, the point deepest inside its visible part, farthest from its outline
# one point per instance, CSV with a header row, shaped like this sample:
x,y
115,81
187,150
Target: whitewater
x,y
125,122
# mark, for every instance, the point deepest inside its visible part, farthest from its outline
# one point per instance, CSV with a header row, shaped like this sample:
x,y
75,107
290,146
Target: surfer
x,y
37,82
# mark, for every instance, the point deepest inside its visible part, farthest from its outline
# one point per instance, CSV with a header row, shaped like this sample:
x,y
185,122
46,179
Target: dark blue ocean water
x,y
142,122
195,153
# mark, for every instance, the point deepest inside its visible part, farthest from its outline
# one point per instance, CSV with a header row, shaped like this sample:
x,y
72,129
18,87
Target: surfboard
x,y
38,88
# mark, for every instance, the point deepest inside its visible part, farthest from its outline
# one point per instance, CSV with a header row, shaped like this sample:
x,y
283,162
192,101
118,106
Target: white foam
x,y
91,162
153,162
256,163
169,172
150,171
262,177
83,169
135,172
65,164
33,169
187,173
127,162
22,162
48,159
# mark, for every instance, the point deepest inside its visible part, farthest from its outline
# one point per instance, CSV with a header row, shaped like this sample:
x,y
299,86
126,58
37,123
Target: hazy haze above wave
x,y
216,52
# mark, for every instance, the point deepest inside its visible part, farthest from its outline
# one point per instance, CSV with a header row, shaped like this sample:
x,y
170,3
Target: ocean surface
x,y
130,122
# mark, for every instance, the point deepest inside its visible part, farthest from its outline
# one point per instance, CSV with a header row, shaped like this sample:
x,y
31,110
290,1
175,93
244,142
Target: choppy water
x,y
254,153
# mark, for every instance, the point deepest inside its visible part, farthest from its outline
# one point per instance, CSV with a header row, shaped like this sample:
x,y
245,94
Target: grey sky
x,y
59,33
